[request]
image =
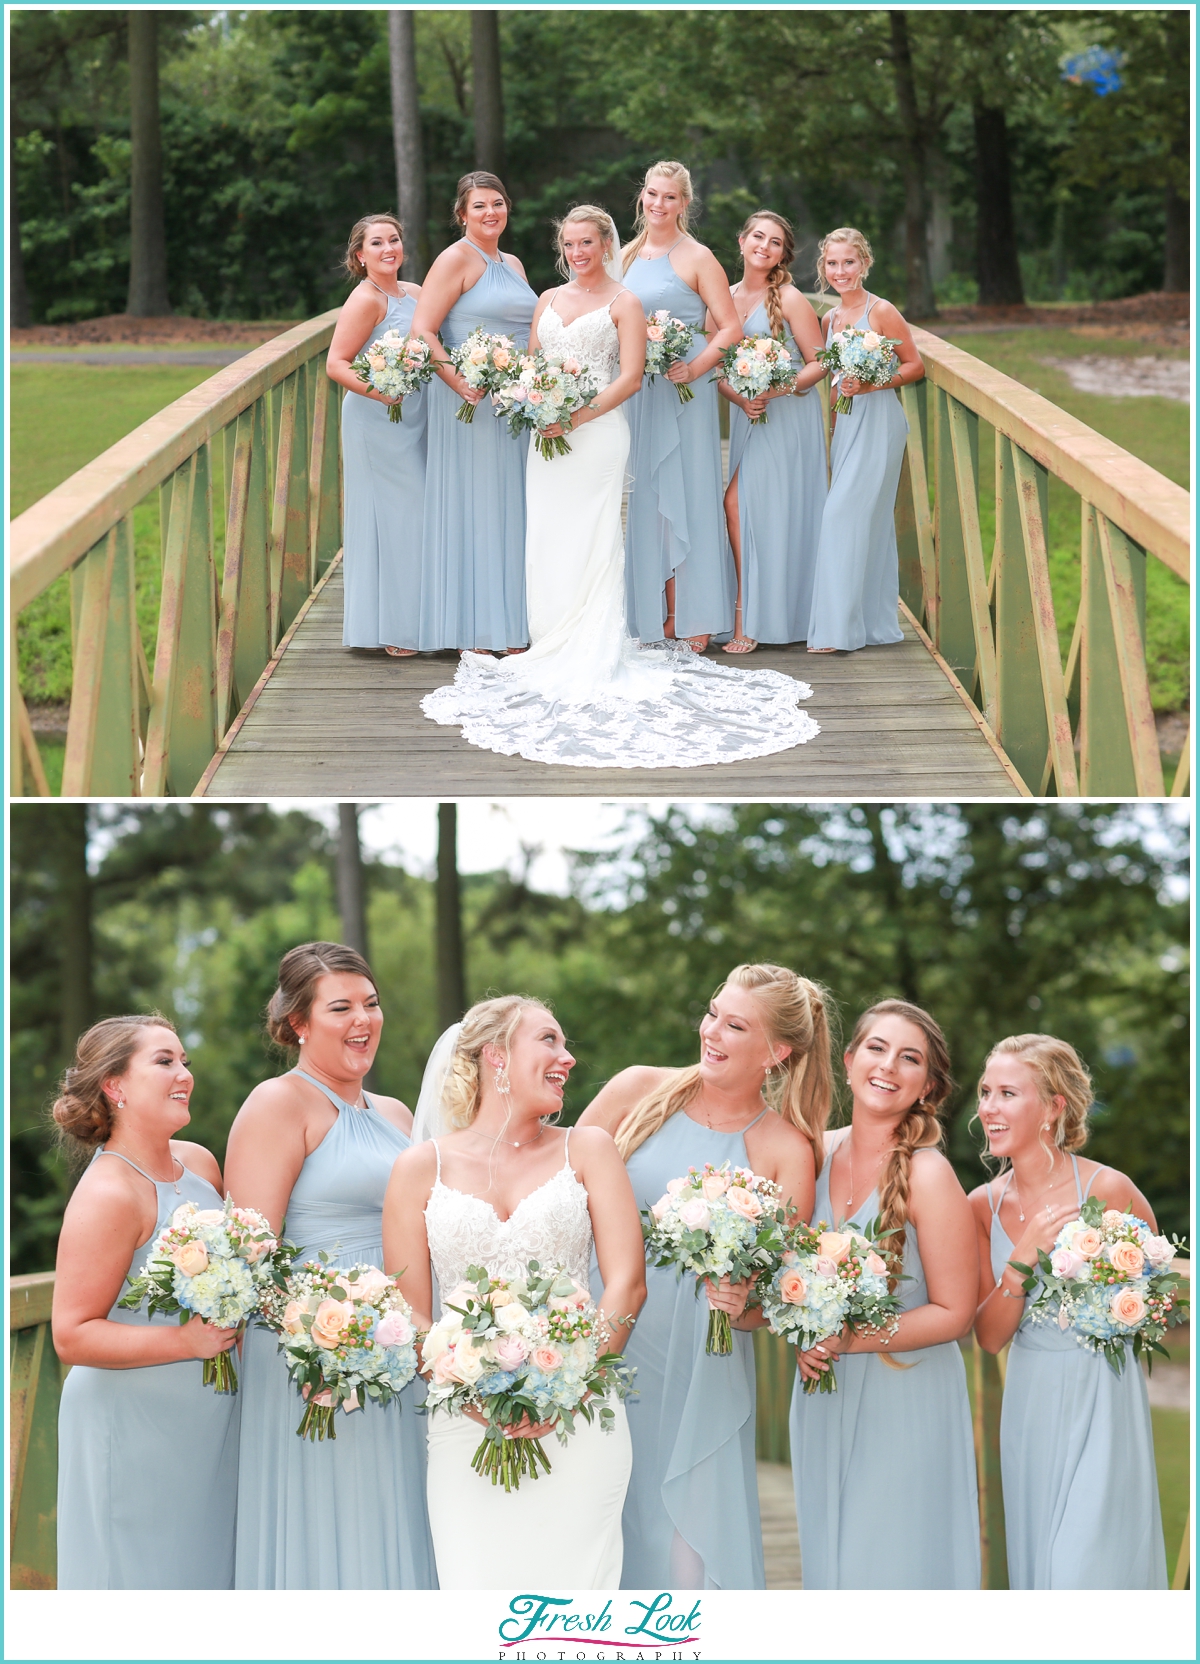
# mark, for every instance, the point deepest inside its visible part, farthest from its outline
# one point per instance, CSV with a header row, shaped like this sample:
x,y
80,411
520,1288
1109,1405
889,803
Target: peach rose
x,y
875,1264
674,1186
534,396
255,1251
477,355
695,1214
871,340
745,1202
792,1288
547,1358
291,1317
1126,1257
1127,1306
329,1325
834,1245
762,348
443,1368
714,1185
191,1259
377,361
502,358
571,366
1087,1242
209,1216
370,1283
501,1297
654,332
509,1351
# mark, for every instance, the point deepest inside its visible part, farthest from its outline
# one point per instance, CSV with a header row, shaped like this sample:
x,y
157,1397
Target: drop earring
x,y
503,1085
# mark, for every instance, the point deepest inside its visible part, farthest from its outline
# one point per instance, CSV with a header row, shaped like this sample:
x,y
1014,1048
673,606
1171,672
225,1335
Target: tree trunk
x,y
919,301
77,1000
487,92
148,296
996,265
1177,272
406,137
17,292
451,978
350,880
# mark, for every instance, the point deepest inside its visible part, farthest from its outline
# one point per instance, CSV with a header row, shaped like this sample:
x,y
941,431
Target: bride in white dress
x,y
586,693
490,1182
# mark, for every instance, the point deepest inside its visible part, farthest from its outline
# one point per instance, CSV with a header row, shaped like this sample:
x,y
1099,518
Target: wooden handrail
x,y
29,1300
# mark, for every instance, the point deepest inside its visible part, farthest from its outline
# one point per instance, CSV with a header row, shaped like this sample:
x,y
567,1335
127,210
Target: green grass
x,y
1172,1457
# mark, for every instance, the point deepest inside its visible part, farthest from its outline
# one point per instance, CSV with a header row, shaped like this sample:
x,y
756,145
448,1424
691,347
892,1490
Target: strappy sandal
x,y
697,643
511,652
669,635
739,643
401,652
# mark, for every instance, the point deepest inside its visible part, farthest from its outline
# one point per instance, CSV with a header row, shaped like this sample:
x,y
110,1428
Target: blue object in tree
x,y
1098,67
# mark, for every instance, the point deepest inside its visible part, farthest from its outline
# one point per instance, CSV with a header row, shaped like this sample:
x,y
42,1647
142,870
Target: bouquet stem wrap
x,y
720,1334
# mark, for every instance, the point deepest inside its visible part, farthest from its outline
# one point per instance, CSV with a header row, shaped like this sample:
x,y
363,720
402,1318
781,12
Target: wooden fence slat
x,y
23,747
1182,778
1120,740
964,443
1021,725
955,639
1032,490
993,1547
243,635
284,410
103,752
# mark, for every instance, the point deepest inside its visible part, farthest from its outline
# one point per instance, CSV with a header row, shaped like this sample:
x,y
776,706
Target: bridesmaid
x,y
897,1432
147,1454
313,1146
678,577
1076,1446
383,462
473,547
774,524
856,594
759,1098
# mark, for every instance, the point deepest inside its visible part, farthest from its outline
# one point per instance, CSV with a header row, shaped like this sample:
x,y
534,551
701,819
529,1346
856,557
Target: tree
x,y
997,268
148,297
350,880
406,132
487,92
915,130
18,294
451,973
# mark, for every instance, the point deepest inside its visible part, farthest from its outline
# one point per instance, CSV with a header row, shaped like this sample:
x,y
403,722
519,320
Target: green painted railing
x,y
35,1379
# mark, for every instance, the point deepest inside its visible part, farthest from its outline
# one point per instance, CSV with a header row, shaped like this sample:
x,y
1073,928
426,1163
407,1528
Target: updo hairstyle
x,y
82,1111
476,182
354,263
300,970
489,1023
844,234
1060,1073
602,220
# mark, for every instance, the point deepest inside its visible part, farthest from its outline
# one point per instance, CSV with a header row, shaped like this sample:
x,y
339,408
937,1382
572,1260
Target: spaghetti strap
x,y
995,1204
437,1152
1082,1196
756,1120
567,1149
141,1170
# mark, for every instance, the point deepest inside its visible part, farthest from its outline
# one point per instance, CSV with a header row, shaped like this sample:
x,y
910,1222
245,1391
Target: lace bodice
x,y
551,1225
592,338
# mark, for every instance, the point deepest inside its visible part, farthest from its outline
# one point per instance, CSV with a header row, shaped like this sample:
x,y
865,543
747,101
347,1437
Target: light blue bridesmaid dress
x,y
676,520
856,593
347,1513
691,1512
884,1467
781,493
383,490
147,1457
1081,1507
473,545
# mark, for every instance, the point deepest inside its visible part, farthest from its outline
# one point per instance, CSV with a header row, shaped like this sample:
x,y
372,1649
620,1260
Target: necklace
x,y
594,290
709,1124
172,1180
1016,1196
516,1143
849,1148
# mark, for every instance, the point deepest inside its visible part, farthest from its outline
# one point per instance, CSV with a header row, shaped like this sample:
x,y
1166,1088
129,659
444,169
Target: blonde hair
x,y
921,1128
679,176
1060,1073
355,265
844,234
83,1111
780,273
800,1089
598,217
489,1023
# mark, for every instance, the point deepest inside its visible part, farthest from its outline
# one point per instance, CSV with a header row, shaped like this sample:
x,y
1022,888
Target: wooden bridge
x,y
251,694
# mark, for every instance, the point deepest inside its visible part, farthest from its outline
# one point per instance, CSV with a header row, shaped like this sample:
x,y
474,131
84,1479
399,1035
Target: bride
x,y
491,1182
585,693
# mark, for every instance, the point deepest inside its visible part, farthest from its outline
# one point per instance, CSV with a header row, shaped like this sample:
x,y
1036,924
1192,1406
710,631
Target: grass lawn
x,y
1172,1455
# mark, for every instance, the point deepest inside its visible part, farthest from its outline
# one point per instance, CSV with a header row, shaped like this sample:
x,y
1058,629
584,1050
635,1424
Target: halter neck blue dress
x,y
1076,1457
383,495
856,592
346,1513
691,1512
781,472
888,1445
473,545
675,525
147,1457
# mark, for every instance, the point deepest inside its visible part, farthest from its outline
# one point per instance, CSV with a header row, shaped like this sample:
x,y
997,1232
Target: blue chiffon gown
x,y
1076,1458
346,1513
383,492
885,1466
691,1516
856,592
473,544
675,522
147,1457
781,472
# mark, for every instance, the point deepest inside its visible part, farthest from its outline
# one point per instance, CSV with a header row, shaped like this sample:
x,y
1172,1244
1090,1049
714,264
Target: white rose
x,y
511,1318
435,1343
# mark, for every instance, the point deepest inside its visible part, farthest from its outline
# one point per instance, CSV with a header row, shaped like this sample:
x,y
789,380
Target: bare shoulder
x,y
932,1175
784,1136
796,302
364,302
393,1110
885,317
981,1203
417,1166
511,260
626,304
198,1160
586,1143
106,1183
413,289
274,1104
633,1084
1111,1186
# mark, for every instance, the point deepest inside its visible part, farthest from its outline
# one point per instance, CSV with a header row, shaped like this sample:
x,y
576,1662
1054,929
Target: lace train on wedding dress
x,y
586,694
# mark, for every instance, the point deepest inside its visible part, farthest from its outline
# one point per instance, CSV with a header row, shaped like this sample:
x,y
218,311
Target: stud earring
x,y
300,1041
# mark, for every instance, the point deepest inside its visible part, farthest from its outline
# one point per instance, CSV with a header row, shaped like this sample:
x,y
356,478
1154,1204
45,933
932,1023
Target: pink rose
x,y
716,1184
654,332
875,1264
790,1257
1159,1251
1087,1242
443,1368
834,1245
1126,1257
534,396
792,1288
1111,1217
661,1208
255,1251
547,1359
825,1267
1127,1306
191,1259
571,366
1066,1264
695,1214
370,1284
329,1325
745,1202
291,1317
509,1351
394,1330
674,1186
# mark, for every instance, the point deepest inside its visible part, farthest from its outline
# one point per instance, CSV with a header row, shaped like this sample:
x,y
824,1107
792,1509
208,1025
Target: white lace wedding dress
x,y
586,693
562,1530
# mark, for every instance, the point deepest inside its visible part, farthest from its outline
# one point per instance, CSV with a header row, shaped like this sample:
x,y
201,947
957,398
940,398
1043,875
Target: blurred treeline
x,y
276,135
999,919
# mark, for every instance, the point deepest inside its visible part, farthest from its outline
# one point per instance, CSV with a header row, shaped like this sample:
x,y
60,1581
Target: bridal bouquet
x,y
1108,1278
346,1333
668,340
486,362
520,1348
213,1263
829,1281
758,364
863,354
717,1222
549,388
394,365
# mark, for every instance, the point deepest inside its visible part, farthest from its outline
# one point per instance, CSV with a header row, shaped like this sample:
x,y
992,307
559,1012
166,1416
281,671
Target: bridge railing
x,y
34,1385
246,470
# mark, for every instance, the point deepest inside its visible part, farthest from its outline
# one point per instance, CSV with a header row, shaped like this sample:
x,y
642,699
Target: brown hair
x,y
678,175
300,970
489,1023
920,1129
83,1112
780,273
1060,1073
477,182
354,264
599,217
843,234
800,1089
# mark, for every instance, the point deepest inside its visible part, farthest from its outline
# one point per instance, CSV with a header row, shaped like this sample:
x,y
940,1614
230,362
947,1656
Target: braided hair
x,y
781,272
